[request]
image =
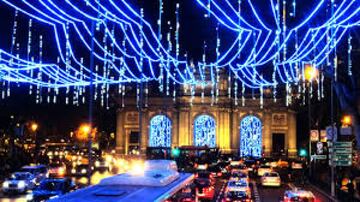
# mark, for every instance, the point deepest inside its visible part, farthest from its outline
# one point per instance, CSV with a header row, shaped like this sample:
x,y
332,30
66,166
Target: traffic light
x,y
303,152
175,152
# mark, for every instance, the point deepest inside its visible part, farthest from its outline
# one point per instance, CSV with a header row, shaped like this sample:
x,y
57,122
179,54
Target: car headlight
x,y
21,184
73,171
29,197
83,171
6,184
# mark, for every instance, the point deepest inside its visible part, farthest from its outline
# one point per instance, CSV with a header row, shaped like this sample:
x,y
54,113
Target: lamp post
x,y
310,73
34,127
85,134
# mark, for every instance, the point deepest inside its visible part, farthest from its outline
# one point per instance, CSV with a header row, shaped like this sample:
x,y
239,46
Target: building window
x,y
251,136
204,131
160,131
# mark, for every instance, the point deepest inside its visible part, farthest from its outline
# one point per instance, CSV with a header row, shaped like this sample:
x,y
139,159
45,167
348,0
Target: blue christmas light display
x,y
250,136
205,131
160,131
128,49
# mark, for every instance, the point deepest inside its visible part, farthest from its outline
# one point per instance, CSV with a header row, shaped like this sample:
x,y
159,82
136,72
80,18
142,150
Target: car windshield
x,y
271,175
241,175
237,194
28,170
19,176
50,185
55,165
240,183
203,175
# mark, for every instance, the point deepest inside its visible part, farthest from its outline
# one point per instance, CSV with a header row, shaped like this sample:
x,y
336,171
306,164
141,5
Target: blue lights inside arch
x,y
204,131
160,131
251,136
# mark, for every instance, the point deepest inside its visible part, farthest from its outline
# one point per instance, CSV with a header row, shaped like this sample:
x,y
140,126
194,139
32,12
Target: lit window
x,y
251,137
160,131
204,131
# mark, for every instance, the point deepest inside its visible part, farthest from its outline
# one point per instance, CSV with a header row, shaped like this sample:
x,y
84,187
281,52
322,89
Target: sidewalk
x,y
328,195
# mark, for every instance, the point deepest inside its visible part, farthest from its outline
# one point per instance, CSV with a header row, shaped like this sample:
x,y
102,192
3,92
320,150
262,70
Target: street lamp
x,y
346,121
85,131
310,73
34,127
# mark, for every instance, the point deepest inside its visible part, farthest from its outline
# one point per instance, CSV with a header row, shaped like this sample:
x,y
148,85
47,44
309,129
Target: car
x,y
298,196
204,185
239,176
237,196
102,165
239,168
238,186
297,165
19,182
51,188
263,169
215,170
40,172
203,176
80,170
271,179
57,170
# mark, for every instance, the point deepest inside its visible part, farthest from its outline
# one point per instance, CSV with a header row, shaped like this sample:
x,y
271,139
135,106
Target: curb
x,y
323,193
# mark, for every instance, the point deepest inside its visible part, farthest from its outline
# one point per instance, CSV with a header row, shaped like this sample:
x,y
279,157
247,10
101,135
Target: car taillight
x,y
219,174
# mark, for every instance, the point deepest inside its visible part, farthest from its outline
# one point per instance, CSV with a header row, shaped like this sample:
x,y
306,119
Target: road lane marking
x,y
256,192
221,193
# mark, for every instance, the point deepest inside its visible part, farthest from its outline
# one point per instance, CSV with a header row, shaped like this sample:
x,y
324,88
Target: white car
x,y
263,169
271,179
238,186
19,182
238,176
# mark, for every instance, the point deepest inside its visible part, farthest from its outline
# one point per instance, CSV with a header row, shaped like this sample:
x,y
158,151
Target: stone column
x,y
267,136
184,125
292,134
235,136
144,138
120,132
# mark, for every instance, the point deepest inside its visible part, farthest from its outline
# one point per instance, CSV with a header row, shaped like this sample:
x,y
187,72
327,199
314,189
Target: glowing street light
x,y
310,72
83,132
34,126
346,120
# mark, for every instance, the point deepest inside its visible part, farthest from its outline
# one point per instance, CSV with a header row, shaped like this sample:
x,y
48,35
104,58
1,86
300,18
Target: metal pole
x,y
91,96
309,122
332,140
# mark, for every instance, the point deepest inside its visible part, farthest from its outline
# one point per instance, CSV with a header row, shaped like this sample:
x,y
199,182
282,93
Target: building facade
x,y
247,130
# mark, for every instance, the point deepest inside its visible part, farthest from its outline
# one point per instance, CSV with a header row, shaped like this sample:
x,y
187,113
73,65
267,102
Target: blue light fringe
x,y
160,131
250,137
205,131
138,55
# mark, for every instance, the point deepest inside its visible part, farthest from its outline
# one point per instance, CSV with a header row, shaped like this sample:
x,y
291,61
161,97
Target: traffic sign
x,y
343,163
331,135
341,150
318,157
346,130
342,144
314,135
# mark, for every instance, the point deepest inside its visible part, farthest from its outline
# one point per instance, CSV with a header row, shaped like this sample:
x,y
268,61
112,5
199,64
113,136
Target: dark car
x,y
81,170
237,196
50,188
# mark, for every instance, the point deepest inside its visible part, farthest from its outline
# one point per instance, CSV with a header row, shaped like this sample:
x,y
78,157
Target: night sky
x,y
59,119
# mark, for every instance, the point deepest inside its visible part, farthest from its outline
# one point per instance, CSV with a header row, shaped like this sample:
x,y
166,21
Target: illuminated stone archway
x,y
205,131
251,136
160,131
